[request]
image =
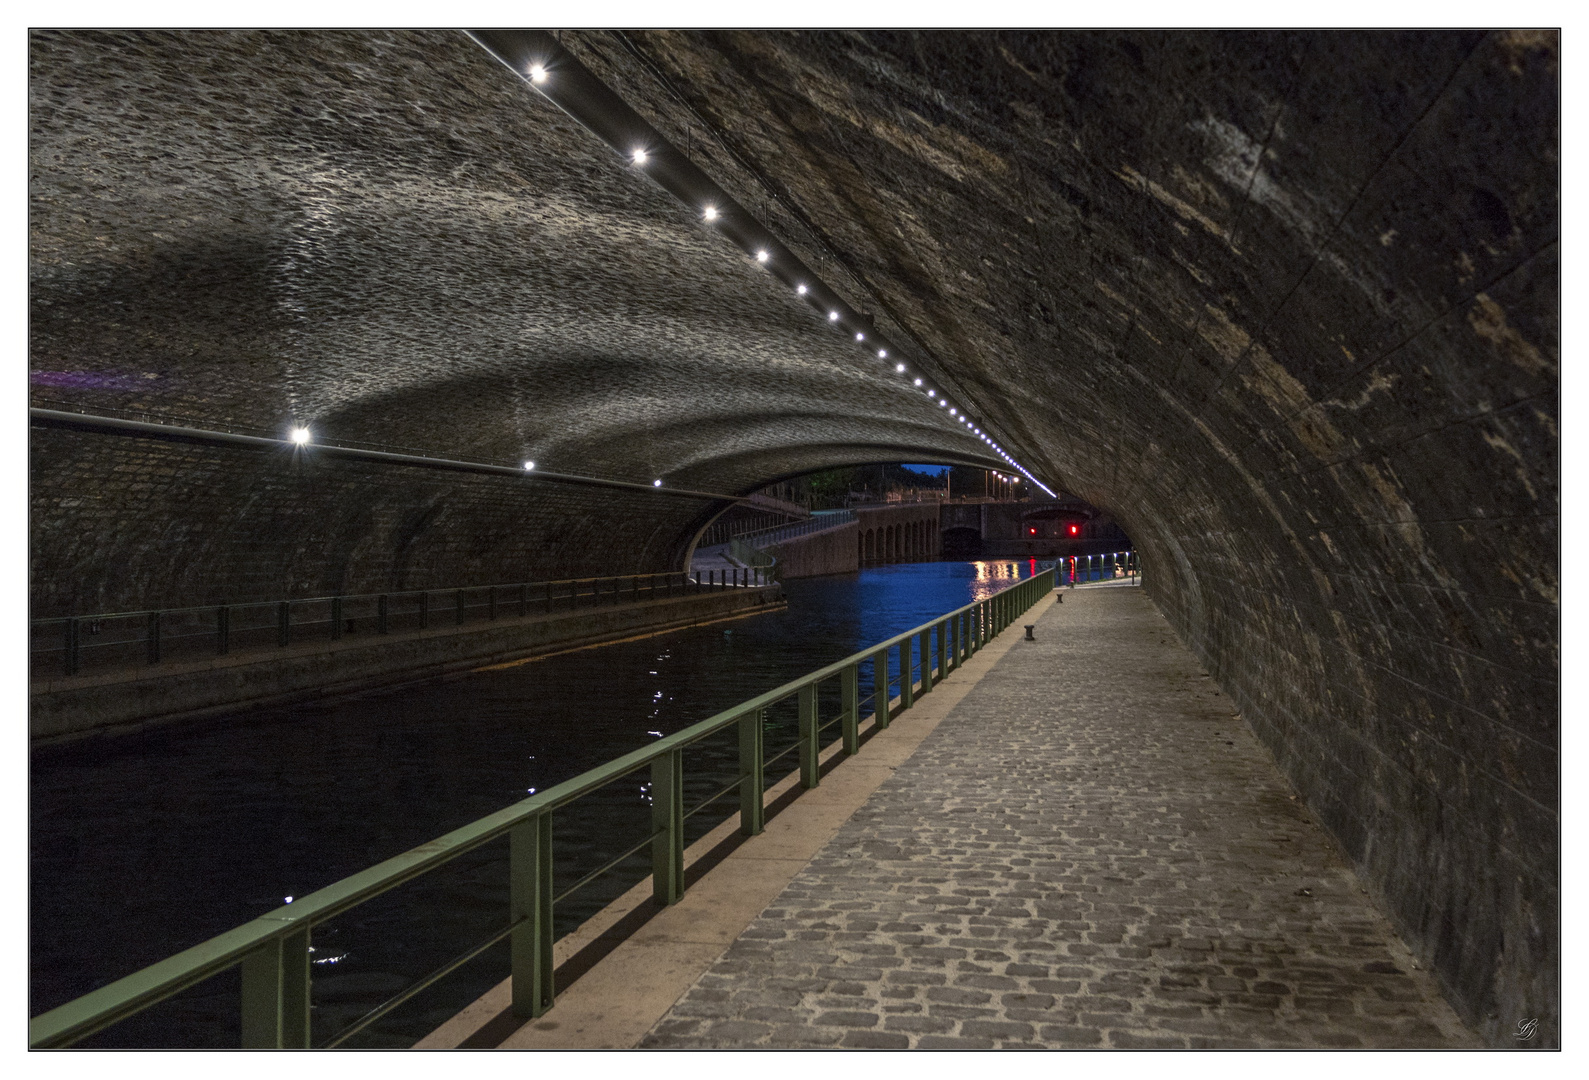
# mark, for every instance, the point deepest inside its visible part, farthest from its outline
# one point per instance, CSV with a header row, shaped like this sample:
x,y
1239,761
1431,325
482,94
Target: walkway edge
x,y
619,998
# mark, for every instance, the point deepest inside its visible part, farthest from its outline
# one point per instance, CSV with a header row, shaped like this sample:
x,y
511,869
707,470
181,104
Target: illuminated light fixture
x,y
537,73
899,367
529,466
710,213
300,435
761,256
656,483
951,412
882,354
932,393
801,289
860,337
833,316
942,403
918,382
640,156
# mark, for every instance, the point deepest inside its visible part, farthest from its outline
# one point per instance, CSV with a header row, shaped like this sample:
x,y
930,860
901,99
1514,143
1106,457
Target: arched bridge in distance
x,y
1282,305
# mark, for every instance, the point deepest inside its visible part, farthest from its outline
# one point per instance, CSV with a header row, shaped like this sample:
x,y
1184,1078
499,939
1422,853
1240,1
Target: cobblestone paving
x,y
1090,851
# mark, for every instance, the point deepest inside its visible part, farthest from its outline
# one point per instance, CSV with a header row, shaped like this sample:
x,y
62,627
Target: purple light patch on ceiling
x,y
92,380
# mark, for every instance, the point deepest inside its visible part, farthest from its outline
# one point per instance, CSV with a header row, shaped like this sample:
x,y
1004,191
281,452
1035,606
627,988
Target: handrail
x,y
154,628
358,596
273,949
1086,566
820,521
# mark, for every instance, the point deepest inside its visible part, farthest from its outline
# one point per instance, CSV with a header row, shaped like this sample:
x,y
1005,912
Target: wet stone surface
x,y
1092,850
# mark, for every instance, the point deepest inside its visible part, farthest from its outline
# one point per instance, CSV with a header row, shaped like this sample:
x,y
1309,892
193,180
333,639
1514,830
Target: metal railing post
x,y
881,695
752,774
153,636
223,630
810,739
907,692
284,623
667,826
336,618
925,648
530,890
382,614
850,698
940,633
275,997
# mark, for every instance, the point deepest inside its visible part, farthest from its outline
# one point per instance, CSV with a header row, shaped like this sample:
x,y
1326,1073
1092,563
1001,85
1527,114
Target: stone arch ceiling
x,y
1285,304
386,236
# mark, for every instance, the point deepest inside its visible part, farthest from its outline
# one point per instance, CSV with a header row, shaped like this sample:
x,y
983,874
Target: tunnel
x,y
1285,305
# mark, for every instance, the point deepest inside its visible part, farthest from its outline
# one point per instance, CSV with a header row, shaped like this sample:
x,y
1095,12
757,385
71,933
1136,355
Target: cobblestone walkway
x,y
1091,850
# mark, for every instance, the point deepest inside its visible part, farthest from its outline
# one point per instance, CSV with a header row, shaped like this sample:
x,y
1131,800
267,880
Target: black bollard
x,y
1029,636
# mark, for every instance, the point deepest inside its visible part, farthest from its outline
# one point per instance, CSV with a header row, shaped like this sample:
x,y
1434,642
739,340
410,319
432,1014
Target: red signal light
x,y
1033,532
1073,530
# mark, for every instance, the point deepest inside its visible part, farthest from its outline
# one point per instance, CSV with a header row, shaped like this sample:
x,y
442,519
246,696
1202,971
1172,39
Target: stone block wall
x,y
831,551
123,523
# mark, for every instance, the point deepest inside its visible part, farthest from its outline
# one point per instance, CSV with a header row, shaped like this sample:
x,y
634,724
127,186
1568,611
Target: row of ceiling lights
x,y
538,75
640,156
301,436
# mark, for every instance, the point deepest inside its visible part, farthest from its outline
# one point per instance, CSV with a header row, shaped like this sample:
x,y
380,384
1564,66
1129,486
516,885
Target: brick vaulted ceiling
x,y
1284,303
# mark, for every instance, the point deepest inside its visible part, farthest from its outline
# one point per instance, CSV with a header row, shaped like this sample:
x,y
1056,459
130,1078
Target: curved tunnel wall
x,y
1284,304
124,523
386,237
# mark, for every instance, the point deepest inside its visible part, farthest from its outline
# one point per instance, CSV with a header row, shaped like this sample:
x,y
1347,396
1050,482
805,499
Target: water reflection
x,y
145,845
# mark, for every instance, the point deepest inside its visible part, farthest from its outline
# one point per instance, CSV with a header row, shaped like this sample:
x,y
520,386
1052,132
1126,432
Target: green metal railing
x,y
67,645
1075,569
273,950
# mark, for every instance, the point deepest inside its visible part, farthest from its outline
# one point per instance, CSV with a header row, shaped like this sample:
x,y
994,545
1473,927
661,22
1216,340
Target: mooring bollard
x,y
1029,636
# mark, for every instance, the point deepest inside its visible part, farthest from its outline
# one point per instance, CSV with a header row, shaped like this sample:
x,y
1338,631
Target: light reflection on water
x,y
147,844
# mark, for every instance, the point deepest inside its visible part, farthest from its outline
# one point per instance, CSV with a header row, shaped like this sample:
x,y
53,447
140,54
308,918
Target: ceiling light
x,y
951,412
899,367
860,337
710,213
300,435
801,289
882,354
761,256
529,466
932,393
833,316
640,156
537,73
656,483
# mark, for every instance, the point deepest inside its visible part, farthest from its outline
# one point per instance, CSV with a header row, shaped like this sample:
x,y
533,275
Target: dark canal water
x,y
144,845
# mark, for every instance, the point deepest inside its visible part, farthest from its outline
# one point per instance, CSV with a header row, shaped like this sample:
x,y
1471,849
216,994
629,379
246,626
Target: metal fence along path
x,y
273,951
69,645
